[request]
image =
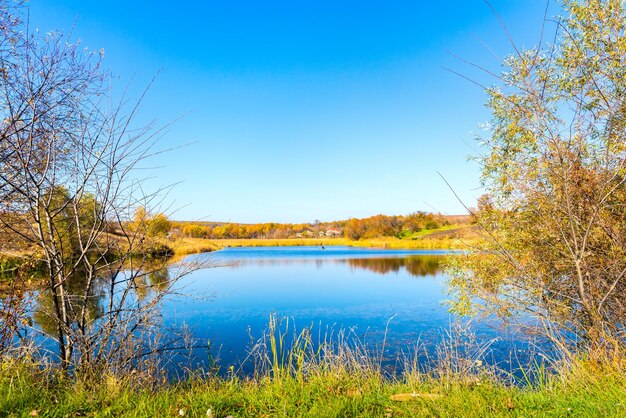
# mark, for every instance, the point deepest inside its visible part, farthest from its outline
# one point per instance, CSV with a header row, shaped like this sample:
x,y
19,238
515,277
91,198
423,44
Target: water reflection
x,y
417,266
332,289
78,296
156,281
88,302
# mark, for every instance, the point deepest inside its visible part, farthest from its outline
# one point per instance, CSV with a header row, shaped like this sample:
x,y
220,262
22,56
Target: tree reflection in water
x,y
423,265
144,285
416,265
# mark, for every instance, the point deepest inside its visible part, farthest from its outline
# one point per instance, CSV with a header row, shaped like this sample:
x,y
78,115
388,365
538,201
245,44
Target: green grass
x,y
584,392
336,377
425,232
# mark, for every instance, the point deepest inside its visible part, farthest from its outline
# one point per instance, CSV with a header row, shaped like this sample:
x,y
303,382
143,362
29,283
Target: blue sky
x,y
292,111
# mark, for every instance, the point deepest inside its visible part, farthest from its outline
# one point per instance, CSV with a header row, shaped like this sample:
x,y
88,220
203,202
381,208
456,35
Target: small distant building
x,y
333,233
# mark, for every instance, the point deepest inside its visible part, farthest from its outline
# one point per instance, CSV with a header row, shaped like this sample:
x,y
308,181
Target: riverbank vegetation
x,y
342,383
451,237
162,237
415,231
554,170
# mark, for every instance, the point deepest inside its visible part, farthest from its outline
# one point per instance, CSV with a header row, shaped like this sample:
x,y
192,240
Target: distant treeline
x,y
372,227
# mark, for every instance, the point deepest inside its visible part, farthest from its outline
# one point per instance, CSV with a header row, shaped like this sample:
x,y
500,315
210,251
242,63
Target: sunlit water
x,y
390,301
395,296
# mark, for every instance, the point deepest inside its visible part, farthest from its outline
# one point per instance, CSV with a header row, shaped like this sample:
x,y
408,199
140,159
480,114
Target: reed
x,y
185,246
298,242
331,375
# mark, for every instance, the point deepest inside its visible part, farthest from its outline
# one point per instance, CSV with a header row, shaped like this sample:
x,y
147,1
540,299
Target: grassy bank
x,y
586,391
448,243
282,242
185,246
449,237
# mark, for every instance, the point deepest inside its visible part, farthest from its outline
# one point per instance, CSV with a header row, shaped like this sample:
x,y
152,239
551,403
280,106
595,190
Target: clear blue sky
x,y
303,110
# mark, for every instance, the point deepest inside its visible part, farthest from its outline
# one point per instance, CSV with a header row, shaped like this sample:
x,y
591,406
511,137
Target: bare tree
x,y
68,187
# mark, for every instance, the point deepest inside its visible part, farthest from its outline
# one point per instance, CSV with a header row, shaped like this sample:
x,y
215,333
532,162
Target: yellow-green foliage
x,y
158,226
425,242
152,226
553,163
388,226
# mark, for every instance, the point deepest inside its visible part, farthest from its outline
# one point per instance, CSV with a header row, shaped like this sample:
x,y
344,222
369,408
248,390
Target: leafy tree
x,y
373,227
421,220
554,168
151,226
354,229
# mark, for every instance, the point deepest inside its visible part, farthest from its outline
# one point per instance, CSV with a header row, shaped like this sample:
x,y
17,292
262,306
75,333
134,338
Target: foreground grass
x,y
586,392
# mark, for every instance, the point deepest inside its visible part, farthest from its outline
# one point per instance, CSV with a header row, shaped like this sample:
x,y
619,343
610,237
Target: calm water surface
x,y
363,290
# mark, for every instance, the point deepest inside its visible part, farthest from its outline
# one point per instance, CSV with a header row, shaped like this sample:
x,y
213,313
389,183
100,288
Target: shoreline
x,y
438,239
185,246
200,245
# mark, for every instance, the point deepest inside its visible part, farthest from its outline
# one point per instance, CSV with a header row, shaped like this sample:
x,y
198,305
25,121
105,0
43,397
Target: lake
x,y
372,294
